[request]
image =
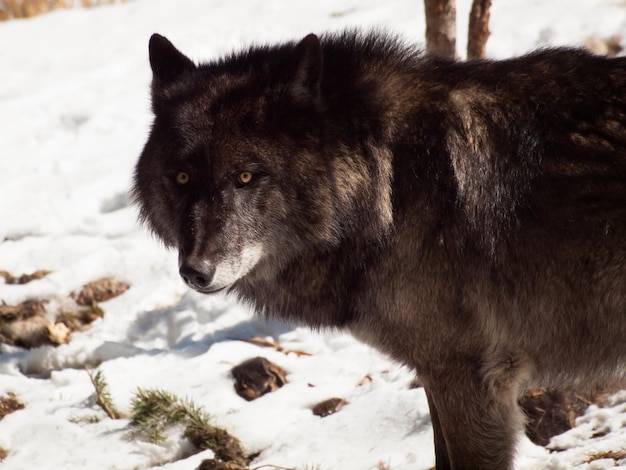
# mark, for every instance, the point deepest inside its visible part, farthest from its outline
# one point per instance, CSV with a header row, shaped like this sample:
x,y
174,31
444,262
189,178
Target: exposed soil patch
x,y
256,377
10,9
329,407
9,404
262,342
610,47
100,291
23,311
26,325
617,456
227,448
24,278
553,412
41,322
214,464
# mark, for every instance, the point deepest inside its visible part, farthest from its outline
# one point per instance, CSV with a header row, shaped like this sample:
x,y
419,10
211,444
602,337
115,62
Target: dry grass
x,y
9,404
11,9
617,456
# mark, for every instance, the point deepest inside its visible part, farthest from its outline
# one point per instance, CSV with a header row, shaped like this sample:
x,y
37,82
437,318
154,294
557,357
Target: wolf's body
x,y
469,219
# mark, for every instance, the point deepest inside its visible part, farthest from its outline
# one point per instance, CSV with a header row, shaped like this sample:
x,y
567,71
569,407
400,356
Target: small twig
x,y
584,400
101,395
258,341
276,467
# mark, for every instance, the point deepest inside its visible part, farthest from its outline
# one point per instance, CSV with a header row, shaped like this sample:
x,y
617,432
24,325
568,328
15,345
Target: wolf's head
x,y
243,169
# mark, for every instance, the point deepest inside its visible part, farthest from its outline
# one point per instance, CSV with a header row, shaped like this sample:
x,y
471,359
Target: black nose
x,y
195,277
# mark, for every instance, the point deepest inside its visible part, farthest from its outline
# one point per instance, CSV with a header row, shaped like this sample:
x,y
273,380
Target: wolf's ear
x,y
305,71
167,62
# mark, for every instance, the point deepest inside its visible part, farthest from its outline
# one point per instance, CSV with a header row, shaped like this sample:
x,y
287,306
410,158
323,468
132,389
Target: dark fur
x,y
469,219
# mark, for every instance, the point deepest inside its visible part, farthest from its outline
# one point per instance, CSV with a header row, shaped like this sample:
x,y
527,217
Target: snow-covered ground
x,y
74,114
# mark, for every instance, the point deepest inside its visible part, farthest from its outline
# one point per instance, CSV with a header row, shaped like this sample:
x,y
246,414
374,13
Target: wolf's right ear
x,y
305,71
167,62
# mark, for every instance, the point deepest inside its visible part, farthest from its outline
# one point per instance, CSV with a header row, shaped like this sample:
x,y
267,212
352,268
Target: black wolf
x,y
469,219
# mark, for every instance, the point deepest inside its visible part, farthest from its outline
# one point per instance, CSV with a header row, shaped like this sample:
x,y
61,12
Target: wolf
x,y
466,218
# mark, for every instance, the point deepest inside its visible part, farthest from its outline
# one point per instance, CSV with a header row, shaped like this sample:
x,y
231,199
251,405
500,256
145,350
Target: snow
x,y
74,114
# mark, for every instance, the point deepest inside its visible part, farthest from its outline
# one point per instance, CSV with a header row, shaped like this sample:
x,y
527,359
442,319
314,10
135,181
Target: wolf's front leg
x,y
442,462
474,427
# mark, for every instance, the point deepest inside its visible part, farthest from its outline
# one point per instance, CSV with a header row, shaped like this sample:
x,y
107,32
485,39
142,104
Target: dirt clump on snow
x,y
329,407
610,47
40,322
9,404
100,291
26,325
13,9
214,464
256,377
552,412
23,278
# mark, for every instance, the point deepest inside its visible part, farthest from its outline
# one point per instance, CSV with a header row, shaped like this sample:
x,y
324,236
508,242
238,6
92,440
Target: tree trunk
x,y
441,27
478,29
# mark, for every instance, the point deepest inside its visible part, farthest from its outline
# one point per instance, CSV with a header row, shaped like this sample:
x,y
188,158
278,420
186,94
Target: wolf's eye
x,y
182,177
244,177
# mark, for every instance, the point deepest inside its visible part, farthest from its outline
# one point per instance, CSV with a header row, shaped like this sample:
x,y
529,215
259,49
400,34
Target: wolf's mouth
x,y
211,291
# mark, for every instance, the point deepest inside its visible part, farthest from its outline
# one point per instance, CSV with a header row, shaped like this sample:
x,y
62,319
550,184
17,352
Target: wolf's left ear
x,y
305,71
167,62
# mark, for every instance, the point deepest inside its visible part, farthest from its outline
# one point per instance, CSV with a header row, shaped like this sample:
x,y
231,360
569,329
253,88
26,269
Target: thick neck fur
x,y
365,116
316,288
322,285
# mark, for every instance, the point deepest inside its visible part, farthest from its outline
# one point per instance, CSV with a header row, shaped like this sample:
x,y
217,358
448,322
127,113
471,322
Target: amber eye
x,y
245,177
182,177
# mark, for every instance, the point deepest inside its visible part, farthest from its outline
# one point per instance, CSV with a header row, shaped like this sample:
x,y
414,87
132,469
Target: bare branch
x,y
478,29
441,27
